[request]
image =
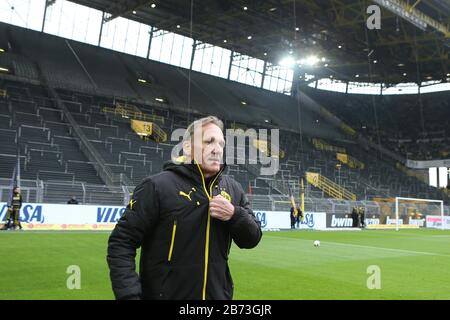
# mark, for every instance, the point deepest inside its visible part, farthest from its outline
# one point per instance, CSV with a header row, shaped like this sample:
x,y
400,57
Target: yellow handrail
x,y
265,148
319,144
349,160
132,112
329,187
148,129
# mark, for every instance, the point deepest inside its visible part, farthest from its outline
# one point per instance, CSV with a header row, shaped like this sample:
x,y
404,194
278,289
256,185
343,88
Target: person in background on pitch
x,y
299,217
355,217
185,220
72,200
362,217
293,218
13,213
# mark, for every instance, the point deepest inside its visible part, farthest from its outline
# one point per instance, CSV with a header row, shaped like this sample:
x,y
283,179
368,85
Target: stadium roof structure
x,y
400,51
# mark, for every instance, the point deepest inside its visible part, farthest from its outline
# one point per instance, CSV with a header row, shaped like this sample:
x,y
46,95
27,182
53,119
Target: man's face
x,y
17,190
208,147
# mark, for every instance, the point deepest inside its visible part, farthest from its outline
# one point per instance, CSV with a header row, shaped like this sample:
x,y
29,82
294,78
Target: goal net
x,y
418,213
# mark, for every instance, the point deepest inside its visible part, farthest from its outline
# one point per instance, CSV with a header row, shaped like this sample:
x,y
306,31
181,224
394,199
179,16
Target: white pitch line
x,y
371,247
388,249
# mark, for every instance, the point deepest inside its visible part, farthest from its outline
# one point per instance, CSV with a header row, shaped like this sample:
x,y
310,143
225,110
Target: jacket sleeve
x,y
137,221
244,227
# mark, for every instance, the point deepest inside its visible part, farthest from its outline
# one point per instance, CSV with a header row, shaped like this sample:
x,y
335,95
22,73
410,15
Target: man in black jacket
x,y
72,200
355,217
13,213
362,217
293,218
185,219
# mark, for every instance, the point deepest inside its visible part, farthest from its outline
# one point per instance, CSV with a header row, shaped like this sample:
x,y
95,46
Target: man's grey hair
x,y
189,134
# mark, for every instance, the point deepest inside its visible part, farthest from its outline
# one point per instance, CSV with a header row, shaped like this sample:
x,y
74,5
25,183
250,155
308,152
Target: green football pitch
x,y
408,264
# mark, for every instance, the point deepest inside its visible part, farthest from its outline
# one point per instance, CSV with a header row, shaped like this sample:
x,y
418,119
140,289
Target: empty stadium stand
x,y
54,113
418,129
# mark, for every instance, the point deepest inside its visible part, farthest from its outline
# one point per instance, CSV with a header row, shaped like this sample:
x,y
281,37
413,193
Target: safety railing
x,y
319,144
86,147
61,191
329,187
131,112
350,161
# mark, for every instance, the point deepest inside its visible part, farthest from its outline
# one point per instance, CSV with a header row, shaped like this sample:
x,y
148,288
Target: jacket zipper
x,y
208,225
172,242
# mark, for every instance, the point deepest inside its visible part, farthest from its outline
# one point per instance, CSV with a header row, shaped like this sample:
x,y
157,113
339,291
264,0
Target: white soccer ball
x,y
316,243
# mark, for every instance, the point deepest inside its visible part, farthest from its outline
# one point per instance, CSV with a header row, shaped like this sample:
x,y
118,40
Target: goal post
x,y
438,213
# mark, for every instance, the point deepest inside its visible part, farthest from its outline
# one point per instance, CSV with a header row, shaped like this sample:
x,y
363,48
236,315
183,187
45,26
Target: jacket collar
x,y
192,170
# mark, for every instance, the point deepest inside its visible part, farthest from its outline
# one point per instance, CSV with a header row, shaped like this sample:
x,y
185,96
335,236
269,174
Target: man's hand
x,y
220,208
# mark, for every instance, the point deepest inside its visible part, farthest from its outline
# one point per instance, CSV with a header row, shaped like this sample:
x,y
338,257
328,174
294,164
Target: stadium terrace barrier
x,y
132,112
319,144
58,192
427,164
148,129
349,160
328,186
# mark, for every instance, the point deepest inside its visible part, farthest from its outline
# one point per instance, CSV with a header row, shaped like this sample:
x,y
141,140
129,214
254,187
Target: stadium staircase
x,y
67,134
328,186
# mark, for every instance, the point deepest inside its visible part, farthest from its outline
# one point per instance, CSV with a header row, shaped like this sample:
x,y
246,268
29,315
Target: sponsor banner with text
x,y
63,214
69,226
341,220
282,220
436,222
43,216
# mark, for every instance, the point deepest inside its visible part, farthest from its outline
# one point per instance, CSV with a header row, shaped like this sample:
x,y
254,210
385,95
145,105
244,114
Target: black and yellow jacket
x,y
16,201
184,252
